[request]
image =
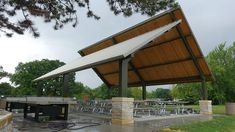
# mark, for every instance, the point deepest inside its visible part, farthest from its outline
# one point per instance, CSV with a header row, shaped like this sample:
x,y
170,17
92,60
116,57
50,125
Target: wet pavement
x,y
86,123
75,123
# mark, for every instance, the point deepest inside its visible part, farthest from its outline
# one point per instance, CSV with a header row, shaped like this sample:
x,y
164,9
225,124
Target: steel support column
x,y
109,92
135,71
123,76
144,92
204,90
39,88
65,85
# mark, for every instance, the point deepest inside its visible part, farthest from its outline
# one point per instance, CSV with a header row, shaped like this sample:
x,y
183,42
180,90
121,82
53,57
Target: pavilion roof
x,y
163,50
174,57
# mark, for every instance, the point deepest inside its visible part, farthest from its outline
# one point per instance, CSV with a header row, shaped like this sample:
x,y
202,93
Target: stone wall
x,y
205,107
72,108
5,121
230,108
122,110
2,104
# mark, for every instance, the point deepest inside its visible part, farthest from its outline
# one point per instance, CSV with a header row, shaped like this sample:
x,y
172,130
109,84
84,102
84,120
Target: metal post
x,y
135,71
40,88
204,90
36,116
66,107
25,110
123,76
7,104
109,92
65,85
144,92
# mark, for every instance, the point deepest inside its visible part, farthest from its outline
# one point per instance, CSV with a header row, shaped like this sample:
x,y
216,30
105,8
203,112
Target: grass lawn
x,y
217,109
222,124
219,124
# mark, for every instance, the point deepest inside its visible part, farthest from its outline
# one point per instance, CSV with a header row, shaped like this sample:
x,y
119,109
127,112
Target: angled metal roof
x,y
112,53
174,57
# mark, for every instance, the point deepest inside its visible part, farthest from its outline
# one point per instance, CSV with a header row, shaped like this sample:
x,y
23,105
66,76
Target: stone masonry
x,y
5,121
122,110
230,108
205,107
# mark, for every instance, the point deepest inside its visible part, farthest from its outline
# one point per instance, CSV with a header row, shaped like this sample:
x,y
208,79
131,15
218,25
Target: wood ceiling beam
x,y
165,42
169,81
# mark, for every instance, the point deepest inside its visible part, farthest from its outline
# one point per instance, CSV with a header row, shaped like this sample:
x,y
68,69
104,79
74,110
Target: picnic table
x,y
158,107
53,107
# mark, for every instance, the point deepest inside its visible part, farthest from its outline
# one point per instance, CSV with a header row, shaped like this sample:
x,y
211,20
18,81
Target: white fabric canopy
x,y
112,53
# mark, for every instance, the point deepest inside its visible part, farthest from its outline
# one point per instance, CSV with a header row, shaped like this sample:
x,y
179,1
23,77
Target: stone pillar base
x,y
205,107
5,121
230,108
122,110
2,104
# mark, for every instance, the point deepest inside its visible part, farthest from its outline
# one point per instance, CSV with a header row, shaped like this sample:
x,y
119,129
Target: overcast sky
x,y
212,22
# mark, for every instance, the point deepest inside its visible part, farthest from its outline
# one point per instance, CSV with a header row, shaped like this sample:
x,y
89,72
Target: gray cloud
x,y
211,21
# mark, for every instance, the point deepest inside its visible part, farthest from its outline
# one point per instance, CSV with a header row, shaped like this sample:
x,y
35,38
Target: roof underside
x,y
174,57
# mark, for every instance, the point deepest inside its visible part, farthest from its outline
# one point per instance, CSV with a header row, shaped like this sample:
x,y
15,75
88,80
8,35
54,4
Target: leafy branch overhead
x,y
148,7
61,12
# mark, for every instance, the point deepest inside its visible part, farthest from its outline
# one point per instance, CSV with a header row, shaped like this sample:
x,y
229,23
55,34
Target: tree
x,y
103,92
222,63
150,95
61,12
135,92
26,72
188,92
3,73
5,89
162,93
79,90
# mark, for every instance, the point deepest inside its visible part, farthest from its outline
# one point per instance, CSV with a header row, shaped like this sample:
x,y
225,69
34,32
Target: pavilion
x,y
160,50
